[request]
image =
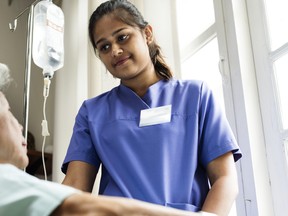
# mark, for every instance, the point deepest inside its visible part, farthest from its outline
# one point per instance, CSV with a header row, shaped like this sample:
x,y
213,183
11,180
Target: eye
x,y
104,48
123,37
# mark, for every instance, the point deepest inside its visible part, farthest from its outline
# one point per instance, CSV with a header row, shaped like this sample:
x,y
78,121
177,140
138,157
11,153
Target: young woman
x,y
158,139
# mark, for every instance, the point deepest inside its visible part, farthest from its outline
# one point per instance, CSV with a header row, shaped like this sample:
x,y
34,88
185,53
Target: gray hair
x,y
5,78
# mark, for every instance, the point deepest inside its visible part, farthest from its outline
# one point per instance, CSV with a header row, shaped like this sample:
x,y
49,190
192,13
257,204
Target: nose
x,y
116,50
21,127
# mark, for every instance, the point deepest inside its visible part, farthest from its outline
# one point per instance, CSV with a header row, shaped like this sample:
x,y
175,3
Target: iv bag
x,y
48,37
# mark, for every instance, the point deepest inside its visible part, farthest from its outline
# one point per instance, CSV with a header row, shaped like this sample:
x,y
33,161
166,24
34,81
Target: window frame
x,y
275,149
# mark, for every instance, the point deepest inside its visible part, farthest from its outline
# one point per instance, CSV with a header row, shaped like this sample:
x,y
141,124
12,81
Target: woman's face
x,y
123,48
13,148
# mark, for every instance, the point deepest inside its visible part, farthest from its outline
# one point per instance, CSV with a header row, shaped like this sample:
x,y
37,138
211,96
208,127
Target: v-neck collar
x,y
152,93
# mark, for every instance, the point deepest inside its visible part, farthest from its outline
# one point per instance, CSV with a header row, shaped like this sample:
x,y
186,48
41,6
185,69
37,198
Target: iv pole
x,y
28,71
29,40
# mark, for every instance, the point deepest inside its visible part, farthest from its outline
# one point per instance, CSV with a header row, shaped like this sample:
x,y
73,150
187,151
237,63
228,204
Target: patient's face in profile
x,y
13,148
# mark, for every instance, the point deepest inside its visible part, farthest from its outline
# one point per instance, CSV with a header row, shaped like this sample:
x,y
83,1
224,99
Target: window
x,y
269,34
276,22
198,15
203,65
198,43
281,78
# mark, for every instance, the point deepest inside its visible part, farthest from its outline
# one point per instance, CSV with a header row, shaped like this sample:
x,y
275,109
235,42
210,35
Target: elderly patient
x,y
22,194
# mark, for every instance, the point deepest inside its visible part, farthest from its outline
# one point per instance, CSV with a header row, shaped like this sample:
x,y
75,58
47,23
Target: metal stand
x,y
28,71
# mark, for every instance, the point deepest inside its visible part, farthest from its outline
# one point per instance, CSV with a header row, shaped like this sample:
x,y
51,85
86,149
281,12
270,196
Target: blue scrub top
x,y
163,163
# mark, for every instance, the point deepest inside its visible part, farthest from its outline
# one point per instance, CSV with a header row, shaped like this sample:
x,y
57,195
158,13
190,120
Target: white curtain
x,y
74,81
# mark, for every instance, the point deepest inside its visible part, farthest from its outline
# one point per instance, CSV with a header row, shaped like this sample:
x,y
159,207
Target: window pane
x,y
281,75
286,149
193,18
277,15
204,66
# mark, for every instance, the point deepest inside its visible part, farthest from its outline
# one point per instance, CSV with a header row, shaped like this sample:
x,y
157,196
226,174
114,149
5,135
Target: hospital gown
x,y
24,195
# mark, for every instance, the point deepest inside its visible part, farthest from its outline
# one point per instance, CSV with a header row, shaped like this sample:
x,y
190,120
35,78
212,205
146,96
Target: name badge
x,y
153,116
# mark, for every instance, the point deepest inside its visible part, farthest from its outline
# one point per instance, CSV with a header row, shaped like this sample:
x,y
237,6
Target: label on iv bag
x,y
153,116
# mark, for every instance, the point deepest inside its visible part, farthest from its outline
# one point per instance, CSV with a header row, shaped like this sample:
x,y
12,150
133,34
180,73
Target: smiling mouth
x,y
122,61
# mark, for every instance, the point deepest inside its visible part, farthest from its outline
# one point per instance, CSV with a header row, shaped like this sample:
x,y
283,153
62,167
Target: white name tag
x,y
153,116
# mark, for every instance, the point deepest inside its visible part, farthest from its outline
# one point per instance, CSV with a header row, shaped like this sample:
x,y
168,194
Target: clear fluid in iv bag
x,y
48,37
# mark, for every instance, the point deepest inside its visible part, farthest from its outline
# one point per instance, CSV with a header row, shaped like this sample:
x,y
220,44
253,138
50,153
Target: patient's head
x,y
12,143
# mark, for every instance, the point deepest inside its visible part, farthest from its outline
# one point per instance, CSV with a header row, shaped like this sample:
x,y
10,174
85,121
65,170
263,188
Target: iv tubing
x,y
44,124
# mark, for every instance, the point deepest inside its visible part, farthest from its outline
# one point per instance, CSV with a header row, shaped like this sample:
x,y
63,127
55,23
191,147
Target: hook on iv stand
x,y
13,25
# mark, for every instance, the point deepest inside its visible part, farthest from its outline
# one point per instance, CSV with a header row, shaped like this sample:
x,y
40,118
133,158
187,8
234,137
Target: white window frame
x,y
257,195
276,159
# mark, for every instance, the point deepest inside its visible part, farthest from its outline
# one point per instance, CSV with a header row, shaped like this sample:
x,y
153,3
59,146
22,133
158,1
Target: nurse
x,y
158,139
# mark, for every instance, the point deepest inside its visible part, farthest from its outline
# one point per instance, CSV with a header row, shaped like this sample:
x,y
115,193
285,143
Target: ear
x,y
149,34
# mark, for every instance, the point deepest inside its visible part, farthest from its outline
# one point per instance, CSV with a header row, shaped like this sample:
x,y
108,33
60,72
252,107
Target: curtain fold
x,y
71,85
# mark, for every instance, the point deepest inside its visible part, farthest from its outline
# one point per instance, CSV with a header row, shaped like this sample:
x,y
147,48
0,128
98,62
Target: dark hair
x,y
129,14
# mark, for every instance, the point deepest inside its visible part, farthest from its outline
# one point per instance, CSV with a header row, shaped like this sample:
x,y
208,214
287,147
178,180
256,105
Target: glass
x,y
193,17
281,76
204,66
277,20
286,149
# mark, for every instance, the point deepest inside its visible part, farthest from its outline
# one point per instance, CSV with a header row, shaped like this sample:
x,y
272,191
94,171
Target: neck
x,y
141,85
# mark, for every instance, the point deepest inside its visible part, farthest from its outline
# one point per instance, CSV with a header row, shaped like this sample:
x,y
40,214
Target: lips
x,y
121,61
24,144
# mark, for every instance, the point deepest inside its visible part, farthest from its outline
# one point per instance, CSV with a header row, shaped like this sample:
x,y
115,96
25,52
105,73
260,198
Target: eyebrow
x,y
115,32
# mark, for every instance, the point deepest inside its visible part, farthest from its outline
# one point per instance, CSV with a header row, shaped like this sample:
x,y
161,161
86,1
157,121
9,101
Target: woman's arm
x,y
224,185
85,204
80,175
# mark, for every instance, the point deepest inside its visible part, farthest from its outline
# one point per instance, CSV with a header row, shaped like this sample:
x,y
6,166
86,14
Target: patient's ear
x,y
3,102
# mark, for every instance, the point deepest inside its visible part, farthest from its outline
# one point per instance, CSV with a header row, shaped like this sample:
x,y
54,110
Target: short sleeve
x,y
81,146
216,136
